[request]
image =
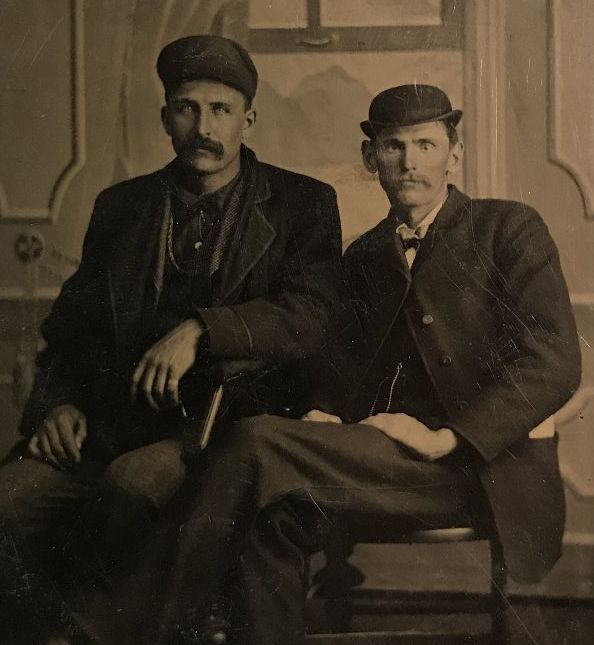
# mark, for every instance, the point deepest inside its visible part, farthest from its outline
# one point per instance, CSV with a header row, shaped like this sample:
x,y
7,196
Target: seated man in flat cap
x,y
216,262
465,346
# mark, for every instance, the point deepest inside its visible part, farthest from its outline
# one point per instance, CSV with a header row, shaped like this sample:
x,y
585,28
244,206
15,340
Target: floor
x,y
530,622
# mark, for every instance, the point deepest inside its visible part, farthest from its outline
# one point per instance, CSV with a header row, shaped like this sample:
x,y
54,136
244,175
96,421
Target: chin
x,y
202,165
406,199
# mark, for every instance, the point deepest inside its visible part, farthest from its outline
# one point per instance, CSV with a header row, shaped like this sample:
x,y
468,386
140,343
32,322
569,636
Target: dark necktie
x,y
411,243
409,236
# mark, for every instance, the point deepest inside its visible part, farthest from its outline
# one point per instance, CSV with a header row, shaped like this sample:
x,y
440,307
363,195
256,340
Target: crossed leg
x,y
270,490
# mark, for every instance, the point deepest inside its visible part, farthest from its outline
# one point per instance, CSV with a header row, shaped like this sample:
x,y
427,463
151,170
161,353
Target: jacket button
x,y
461,404
445,361
427,319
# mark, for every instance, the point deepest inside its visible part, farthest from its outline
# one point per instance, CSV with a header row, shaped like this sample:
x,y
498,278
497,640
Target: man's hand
x,y
61,437
323,417
158,373
427,444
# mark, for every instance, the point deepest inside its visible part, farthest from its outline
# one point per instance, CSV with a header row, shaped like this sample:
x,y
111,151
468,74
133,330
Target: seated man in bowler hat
x,y
215,260
437,415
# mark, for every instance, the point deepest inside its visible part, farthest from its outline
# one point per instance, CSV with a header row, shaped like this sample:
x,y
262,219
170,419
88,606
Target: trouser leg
x,y
40,518
269,600
73,528
136,487
338,468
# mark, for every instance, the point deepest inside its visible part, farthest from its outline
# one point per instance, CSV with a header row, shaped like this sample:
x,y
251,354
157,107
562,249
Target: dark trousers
x,y
271,491
62,532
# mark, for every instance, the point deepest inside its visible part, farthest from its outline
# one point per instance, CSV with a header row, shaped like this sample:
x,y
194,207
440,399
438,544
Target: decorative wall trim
x,y
582,299
316,36
578,539
484,88
582,176
17,293
581,488
78,132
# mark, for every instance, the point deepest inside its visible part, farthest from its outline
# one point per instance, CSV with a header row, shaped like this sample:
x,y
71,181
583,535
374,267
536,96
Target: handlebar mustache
x,y
209,145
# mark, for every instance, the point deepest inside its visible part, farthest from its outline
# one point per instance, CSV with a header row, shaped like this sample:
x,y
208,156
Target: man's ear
x,y
165,119
369,155
455,159
248,125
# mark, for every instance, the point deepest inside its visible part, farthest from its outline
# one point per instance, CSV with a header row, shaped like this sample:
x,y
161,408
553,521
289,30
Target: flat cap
x,y
409,105
206,56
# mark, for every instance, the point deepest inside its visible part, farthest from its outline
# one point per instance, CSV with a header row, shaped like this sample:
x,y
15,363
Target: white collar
x,y
426,222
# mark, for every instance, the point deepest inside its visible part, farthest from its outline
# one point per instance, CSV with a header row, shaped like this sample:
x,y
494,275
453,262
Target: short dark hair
x,y
451,132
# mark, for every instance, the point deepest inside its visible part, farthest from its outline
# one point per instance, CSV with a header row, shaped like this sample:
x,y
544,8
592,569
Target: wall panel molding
x,y
10,210
485,87
580,487
570,105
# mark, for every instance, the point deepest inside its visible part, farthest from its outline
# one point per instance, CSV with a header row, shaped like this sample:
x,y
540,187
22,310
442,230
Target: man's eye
x,y
183,108
220,109
426,145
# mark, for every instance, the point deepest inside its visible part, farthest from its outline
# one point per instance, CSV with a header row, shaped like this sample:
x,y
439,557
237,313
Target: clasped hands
x,y
425,443
156,379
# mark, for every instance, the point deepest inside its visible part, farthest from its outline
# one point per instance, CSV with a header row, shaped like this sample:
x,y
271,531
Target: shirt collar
x,y
421,230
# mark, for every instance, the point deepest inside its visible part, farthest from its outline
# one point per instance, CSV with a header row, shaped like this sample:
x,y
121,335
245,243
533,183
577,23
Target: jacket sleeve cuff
x,y
228,334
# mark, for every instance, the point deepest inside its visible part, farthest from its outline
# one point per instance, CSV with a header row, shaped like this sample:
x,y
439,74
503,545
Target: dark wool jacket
x,y
271,301
488,311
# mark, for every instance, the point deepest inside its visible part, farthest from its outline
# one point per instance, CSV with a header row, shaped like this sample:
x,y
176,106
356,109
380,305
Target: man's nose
x,y
203,124
407,158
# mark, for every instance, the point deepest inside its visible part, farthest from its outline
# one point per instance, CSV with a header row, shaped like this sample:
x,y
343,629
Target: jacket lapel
x,y
137,260
253,236
386,281
448,217
387,273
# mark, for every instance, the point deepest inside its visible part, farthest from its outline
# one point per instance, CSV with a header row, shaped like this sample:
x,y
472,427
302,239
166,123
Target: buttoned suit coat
x,y
487,308
270,305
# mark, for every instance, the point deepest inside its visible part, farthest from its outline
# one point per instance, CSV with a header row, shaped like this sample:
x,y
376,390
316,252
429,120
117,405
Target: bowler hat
x,y
206,56
409,105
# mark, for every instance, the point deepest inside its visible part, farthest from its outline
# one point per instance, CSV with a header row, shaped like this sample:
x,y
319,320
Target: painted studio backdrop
x,y
79,110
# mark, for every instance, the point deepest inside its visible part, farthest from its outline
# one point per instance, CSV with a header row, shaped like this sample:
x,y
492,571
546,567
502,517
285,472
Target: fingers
x,y
54,437
46,450
166,388
80,433
157,384
159,387
172,390
33,447
60,438
143,380
321,417
69,444
137,378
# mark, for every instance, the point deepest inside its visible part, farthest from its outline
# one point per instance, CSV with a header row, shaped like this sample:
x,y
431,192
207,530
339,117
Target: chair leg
x,y
335,581
500,603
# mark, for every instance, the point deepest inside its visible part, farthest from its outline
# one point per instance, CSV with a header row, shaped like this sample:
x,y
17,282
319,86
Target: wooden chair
x,y
336,586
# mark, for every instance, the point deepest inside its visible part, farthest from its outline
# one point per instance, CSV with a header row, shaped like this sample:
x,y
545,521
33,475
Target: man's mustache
x,y
209,145
417,178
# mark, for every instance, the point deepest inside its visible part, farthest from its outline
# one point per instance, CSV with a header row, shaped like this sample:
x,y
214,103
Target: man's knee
x,y
147,476
29,489
265,441
256,433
